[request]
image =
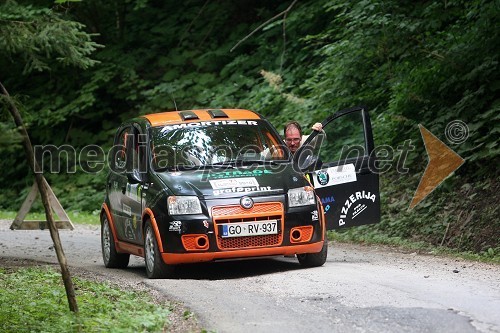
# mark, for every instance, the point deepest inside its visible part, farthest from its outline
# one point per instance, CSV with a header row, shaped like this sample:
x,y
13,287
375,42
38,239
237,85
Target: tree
x,y
40,37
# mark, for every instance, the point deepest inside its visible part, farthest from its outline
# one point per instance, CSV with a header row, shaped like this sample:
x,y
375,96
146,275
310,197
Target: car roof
x,y
179,117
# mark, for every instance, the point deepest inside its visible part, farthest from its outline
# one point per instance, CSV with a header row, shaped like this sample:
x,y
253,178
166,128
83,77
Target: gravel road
x,y
359,289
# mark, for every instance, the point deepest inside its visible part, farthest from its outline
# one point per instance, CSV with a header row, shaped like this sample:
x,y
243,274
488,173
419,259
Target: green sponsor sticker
x,y
236,173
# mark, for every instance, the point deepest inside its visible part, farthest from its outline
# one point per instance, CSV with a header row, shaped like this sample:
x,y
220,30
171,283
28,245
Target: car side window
x,y
352,145
136,151
121,145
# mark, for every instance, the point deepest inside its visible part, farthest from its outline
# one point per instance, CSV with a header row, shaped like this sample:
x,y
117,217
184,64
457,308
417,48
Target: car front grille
x,y
259,212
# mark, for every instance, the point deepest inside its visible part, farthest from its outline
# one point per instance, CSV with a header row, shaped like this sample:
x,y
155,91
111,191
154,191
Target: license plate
x,y
241,229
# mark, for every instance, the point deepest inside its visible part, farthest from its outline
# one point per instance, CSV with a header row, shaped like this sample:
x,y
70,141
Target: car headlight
x,y
183,205
301,196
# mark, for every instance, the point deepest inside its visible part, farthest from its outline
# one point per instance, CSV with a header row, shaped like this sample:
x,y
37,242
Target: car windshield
x,y
215,143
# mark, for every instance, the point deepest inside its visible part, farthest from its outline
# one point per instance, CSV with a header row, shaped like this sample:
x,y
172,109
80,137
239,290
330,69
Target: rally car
x,y
204,185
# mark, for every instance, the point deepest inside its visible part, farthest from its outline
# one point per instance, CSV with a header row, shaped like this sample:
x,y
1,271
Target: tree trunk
x,y
54,233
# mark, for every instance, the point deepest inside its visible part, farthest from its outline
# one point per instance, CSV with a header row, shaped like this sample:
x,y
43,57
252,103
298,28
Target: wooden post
x,y
20,223
40,181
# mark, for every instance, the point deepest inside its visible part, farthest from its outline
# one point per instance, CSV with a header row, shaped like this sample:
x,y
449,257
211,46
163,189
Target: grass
x,y
34,300
75,217
363,236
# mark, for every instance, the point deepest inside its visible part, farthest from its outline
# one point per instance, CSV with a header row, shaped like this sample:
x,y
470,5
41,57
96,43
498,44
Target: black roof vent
x,y
217,114
188,115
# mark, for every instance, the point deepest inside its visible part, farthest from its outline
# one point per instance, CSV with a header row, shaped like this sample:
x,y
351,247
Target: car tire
x,y
155,266
314,259
111,258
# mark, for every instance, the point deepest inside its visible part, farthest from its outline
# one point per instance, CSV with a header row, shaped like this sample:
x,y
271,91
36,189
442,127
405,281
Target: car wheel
x,y
314,259
112,259
155,267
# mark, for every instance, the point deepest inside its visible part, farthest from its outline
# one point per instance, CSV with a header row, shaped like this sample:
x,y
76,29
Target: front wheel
x,y
314,259
111,258
155,267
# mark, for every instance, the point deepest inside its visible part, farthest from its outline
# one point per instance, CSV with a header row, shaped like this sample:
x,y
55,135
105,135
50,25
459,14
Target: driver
x,y
293,135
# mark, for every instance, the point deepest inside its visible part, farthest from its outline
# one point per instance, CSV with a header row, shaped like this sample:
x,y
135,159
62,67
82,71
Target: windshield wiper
x,y
262,162
240,161
226,164
179,168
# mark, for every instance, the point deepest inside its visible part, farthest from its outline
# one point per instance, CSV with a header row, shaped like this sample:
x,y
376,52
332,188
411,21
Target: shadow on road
x,y
224,270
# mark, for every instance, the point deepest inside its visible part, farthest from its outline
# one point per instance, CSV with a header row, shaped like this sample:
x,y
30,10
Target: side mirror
x,y
310,164
134,177
305,160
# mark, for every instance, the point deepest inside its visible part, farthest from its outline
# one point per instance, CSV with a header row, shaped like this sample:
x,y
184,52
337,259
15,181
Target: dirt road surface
x,y
359,289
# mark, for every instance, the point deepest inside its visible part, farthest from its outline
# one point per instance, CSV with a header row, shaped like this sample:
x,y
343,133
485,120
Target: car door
x,y
117,182
340,163
132,199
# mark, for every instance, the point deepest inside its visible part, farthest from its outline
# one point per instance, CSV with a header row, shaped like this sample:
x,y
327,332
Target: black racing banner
x,y
349,198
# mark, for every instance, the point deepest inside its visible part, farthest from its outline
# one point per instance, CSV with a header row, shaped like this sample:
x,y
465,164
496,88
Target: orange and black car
x,y
204,185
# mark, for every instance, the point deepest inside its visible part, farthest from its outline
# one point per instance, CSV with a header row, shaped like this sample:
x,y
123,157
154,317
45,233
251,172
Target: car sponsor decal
x,y
175,226
335,175
236,173
322,177
129,230
314,215
242,189
126,210
326,201
234,182
357,207
209,123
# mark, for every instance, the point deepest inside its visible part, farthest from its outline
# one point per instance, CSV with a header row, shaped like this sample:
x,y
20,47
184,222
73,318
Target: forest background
x,y
408,62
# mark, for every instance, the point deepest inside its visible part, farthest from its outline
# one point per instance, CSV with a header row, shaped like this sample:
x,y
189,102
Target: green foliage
x,y
35,299
75,216
39,35
410,63
460,219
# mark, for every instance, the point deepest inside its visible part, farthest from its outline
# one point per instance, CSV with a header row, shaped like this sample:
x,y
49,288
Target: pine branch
x,y
40,36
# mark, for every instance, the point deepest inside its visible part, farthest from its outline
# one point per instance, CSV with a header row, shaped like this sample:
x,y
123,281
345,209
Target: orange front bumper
x,y
187,258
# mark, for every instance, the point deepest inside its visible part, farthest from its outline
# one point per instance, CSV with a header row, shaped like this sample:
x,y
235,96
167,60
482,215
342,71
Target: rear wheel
x,y
314,259
155,267
111,258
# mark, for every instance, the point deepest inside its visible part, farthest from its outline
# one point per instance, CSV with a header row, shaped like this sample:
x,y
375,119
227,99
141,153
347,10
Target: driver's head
x,y
293,135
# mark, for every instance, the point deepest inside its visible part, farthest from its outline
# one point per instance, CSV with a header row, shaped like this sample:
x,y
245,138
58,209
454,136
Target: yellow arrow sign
x,y
442,162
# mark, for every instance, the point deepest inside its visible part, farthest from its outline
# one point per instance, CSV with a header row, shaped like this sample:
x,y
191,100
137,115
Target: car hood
x,y
235,181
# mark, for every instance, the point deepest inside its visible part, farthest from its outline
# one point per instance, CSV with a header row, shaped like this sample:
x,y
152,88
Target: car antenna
x,y
173,100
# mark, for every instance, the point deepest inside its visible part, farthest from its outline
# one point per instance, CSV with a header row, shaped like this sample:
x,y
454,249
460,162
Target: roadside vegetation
x,y
75,217
37,303
409,63
76,69
458,219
